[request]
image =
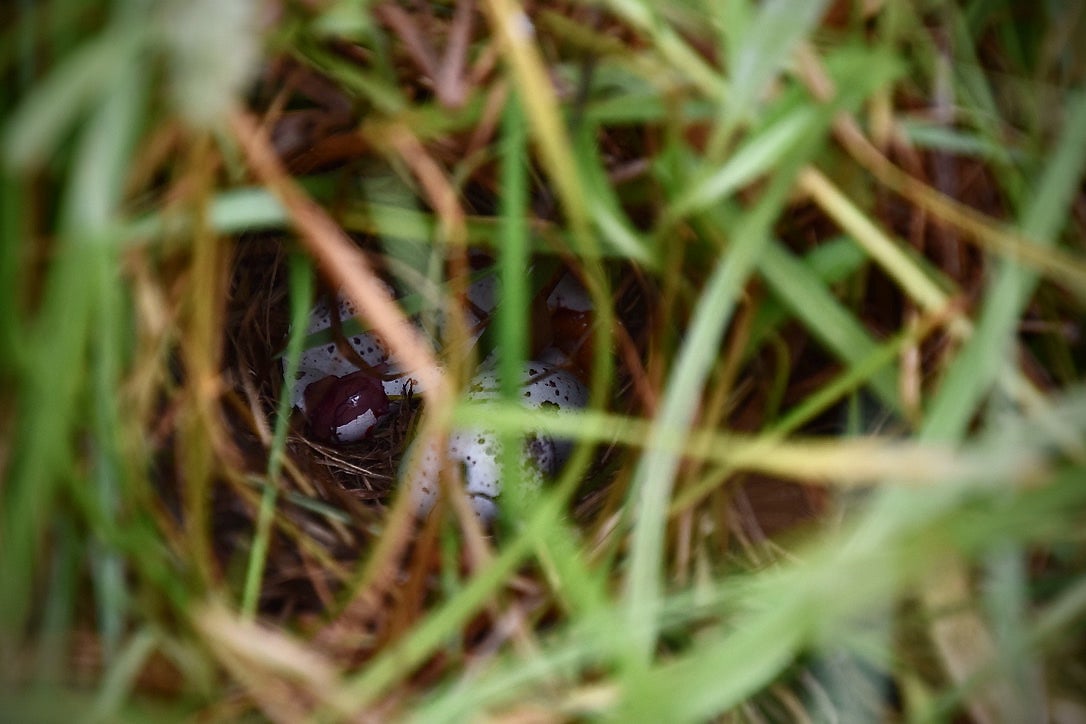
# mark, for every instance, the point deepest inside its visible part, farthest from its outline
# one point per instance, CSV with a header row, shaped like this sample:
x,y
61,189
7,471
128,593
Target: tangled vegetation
x,y
832,465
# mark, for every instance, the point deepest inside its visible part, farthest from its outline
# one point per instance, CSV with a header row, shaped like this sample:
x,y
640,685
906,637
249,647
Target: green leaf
x,y
39,124
766,47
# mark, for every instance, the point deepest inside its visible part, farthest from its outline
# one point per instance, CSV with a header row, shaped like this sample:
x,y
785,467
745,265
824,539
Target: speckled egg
x,y
478,452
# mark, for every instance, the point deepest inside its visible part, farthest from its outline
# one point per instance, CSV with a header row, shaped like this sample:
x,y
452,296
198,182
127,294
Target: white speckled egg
x,y
570,294
478,452
542,385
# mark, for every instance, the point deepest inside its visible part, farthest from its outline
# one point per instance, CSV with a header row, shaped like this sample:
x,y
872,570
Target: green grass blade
x,y
750,161
985,354
831,262
42,120
513,259
654,476
101,166
671,46
301,295
773,33
605,210
12,198
827,319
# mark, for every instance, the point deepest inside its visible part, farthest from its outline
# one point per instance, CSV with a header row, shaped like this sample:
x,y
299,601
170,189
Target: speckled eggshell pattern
x,y
479,451
542,385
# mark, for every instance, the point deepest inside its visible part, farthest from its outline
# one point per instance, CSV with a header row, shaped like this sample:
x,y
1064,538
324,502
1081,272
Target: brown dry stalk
x,y
440,191
447,73
414,40
493,108
286,677
344,263
450,76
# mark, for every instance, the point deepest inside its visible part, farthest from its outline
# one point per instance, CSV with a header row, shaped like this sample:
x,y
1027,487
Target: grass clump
x,y
831,467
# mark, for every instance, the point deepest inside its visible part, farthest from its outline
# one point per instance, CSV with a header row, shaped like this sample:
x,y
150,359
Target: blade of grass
x,y
777,28
100,168
515,31
1067,268
40,122
246,209
757,57
971,376
61,335
12,231
512,312
386,97
825,317
831,262
606,211
58,610
654,476
632,109
852,461
741,664
301,294
760,154
922,133
1006,603
890,256
120,678
985,354
21,46
671,47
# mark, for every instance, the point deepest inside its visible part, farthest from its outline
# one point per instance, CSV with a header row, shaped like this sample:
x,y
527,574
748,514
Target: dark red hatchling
x,y
345,409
